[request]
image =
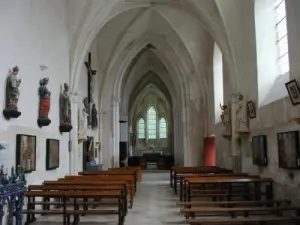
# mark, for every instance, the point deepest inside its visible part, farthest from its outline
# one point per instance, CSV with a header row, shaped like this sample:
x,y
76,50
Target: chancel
x,y
150,112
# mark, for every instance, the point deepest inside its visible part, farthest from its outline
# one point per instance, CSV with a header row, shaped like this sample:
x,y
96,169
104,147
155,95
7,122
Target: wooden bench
x,y
186,177
64,195
175,171
242,221
230,182
112,173
233,210
232,203
61,187
129,179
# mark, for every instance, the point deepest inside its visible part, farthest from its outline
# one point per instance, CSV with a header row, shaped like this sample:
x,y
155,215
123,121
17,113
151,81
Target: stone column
x,y
116,131
235,154
73,154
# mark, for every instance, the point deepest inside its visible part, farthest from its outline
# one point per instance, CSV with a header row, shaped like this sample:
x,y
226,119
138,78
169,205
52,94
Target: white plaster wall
x,y
33,33
273,117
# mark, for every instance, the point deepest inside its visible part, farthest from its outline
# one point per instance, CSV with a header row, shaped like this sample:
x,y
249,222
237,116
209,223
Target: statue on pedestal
x,y
12,95
94,117
82,125
65,110
87,111
242,124
225,117
45,102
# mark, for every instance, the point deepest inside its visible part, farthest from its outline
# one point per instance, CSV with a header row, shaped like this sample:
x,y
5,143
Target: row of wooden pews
x,y
84,195
230,198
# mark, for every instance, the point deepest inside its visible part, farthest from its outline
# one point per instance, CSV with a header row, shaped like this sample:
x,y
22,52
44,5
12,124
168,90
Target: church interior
x,y
149,112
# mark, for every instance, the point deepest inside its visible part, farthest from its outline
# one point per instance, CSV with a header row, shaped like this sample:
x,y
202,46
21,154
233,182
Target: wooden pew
x,y
90,179
64,195
137,169
242,221
187,170
112,173
233,203
186,177
230,183
232,211
78,187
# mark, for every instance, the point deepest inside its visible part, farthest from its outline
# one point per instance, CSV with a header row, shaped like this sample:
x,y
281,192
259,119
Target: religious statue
x,y
45,102
87,111
242,125
12,95
225,117
82,125
65,110
94,117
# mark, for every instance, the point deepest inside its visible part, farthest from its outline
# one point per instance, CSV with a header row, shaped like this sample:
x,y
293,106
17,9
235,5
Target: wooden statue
x,y
94,117
65,110
12,95
45,102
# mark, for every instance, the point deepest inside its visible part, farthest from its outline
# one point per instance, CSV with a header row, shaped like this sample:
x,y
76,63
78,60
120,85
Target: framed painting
x,y
251,109
52,154
288,150
26,152
259,149
294,91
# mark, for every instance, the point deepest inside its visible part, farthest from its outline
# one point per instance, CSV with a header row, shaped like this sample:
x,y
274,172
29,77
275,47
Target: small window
x,y
141,128
151,116
162,128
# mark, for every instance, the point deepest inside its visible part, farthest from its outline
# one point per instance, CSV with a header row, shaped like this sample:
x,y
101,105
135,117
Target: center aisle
x,y
155,203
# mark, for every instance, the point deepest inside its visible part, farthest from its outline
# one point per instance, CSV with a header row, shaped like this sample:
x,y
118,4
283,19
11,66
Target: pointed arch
x,y
163,128
151,122
141,129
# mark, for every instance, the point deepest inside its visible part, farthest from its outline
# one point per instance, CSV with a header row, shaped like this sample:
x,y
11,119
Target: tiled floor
x,y
154,204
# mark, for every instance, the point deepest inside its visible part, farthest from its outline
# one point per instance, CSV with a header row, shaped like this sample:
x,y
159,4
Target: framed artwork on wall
x,y
294,91
52,154
26,152
288,150
251,110
259,150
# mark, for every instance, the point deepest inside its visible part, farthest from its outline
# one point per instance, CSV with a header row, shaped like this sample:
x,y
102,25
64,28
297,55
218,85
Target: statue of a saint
x,y
225,117
242,125
12,95
87,111
94,117
65,110
45,102
82,125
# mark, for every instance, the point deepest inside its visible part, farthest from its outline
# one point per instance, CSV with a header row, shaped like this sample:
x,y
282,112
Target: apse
x,y
150,119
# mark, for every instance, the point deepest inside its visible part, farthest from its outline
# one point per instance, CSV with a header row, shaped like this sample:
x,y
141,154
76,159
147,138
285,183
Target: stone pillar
x,y
116,131
234,137
73,140
106,136
124,127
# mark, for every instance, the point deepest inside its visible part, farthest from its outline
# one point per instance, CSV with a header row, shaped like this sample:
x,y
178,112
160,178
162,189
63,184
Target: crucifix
x,y
88,101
